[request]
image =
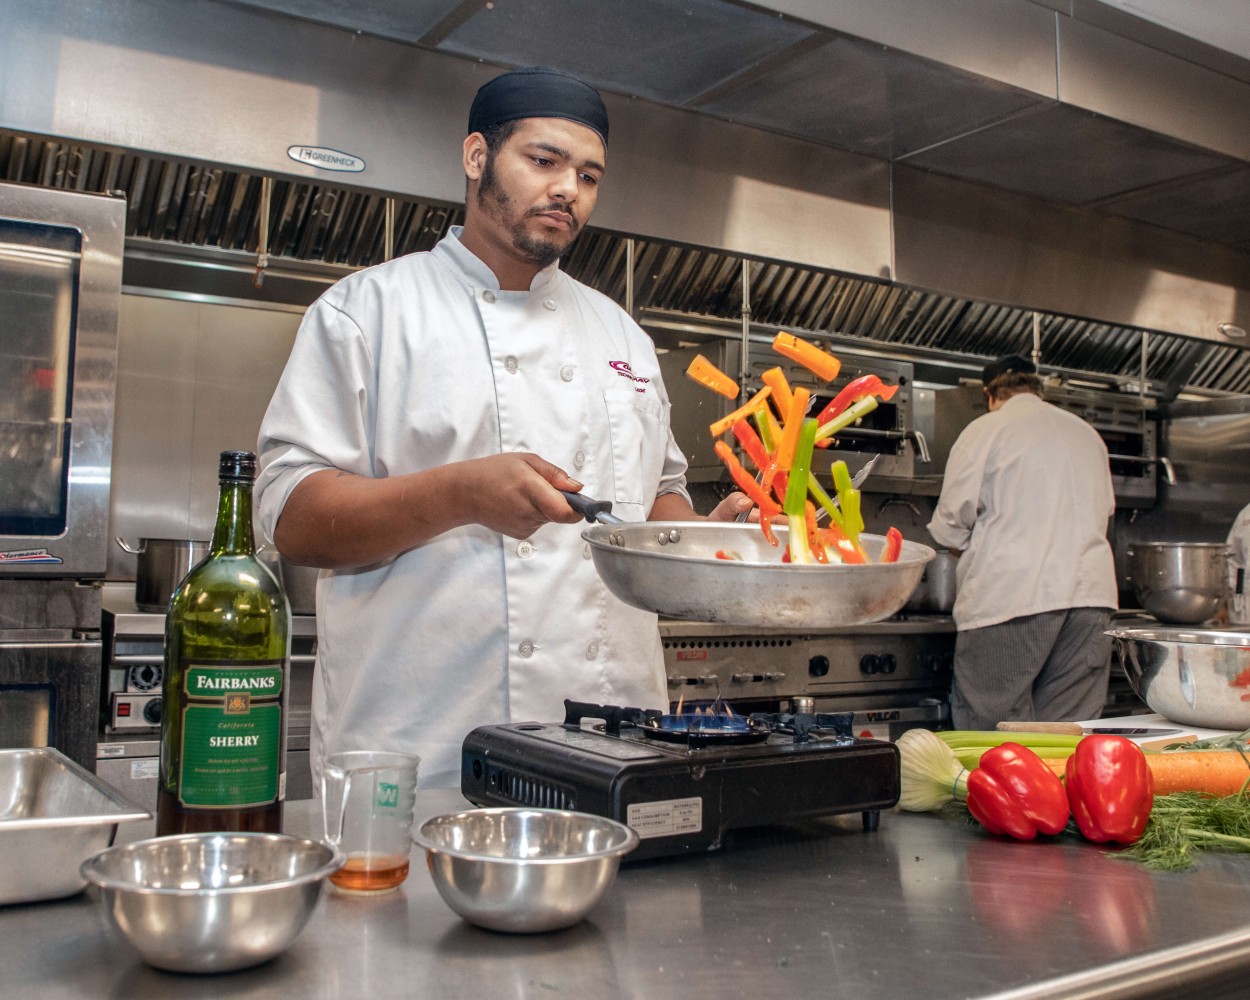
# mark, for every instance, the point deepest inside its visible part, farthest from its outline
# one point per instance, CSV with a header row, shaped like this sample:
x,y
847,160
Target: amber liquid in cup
x,y
369,873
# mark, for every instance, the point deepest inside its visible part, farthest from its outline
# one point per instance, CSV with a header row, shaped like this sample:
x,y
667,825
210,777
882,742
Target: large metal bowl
x,y
211,902
523,870
1197,677
670,567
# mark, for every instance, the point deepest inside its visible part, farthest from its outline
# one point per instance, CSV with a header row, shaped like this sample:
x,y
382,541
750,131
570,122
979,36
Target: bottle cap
x,y
239,466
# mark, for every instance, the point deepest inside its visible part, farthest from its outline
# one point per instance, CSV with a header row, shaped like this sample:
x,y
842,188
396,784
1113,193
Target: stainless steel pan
x,y
670,567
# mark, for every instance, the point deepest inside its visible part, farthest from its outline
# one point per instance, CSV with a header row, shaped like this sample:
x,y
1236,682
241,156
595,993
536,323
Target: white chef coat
x,y
423,361
1238,561
1027,495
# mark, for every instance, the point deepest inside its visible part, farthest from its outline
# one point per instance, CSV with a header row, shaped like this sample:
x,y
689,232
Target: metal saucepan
x,y
162,564
1183,583
670,567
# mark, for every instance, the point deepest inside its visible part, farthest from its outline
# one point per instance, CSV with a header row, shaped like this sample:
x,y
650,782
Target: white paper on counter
x,y
1156,721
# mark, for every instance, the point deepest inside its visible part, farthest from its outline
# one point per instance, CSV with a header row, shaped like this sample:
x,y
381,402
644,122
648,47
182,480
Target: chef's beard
x,y
495,201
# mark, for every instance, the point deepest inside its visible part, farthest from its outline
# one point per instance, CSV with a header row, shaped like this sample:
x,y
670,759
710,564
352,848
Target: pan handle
x,y
587,507
126,548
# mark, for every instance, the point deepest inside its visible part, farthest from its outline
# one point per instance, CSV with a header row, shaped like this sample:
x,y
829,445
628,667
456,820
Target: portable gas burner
x,y
682,781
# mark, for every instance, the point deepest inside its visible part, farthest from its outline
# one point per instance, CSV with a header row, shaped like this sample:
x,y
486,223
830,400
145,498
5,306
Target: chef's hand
x,y
517,493
733,505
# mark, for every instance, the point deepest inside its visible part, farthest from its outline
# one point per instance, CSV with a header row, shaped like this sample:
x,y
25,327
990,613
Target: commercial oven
x,y
60,291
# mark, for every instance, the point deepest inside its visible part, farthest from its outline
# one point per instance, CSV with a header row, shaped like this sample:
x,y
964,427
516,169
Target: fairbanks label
x,y
326,159
231,735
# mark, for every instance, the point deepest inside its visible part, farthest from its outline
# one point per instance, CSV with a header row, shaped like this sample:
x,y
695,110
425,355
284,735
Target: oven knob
x,y
818,666
152,712
779,676
888,663
869,663
705,680
742,678
676,682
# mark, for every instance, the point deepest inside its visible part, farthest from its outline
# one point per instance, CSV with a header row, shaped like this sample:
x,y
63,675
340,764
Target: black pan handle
x,y
587,507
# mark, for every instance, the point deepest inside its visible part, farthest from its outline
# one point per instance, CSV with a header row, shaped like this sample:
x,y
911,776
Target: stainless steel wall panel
x,y
964,240
1010,41
403,20
1213,206
1163,93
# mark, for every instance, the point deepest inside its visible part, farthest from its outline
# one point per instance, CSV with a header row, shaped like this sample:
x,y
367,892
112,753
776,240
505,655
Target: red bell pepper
x,y
1013,791
893,546
1110,789
751,444
853,392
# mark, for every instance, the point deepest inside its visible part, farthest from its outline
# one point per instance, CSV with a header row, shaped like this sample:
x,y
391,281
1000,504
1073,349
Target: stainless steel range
x,y
129,746
893,675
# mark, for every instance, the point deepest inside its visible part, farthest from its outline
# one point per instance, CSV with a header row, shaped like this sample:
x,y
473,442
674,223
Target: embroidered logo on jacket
x,y
622,369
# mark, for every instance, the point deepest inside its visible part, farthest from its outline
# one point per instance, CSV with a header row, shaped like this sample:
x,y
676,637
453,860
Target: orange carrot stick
x,y
753,405
784,455
706,373
776,380
811,357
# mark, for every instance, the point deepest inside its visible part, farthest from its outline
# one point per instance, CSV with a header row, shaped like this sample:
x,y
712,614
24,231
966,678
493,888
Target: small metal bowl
x,y
523,870
1197,677
211,902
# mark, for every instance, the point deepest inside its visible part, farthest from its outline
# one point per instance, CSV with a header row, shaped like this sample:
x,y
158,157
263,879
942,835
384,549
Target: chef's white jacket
x,y
1026,496
1238,561
424,361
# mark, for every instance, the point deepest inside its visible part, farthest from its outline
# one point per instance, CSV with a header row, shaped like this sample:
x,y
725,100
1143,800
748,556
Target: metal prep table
x,y
922,908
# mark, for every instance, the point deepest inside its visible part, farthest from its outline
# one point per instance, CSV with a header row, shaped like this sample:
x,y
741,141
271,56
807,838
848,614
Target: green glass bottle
x,y
226,674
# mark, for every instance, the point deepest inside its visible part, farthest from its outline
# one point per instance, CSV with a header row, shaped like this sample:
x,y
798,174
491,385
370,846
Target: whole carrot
x,y
1212,772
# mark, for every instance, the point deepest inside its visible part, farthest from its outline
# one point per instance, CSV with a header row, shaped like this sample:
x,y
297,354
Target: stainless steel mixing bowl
x,y
670,567
1180,583
211,902
523,870
1198,677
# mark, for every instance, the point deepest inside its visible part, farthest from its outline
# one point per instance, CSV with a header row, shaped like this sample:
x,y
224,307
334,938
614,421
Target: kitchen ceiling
x,y
755,66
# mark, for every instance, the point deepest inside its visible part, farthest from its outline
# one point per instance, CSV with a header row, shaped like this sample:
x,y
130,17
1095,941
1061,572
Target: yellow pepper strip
x,y
750,407
707,374
847,417
823,364
784,455
776,380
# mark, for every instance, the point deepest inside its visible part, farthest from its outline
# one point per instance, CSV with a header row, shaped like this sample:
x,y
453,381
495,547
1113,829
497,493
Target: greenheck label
x,y
231,734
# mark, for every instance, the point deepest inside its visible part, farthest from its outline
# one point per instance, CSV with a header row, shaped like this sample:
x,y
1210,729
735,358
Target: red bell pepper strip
x,y
753,405
823,364
707,374
1012,791
776,380
751,444
1110,789
731,554
893,546
853,392
842,547
757,492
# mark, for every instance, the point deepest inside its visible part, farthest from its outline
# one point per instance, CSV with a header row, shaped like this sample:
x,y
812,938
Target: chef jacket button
x,y
488,296
525,549
566,373
549,305
510,363
526,648
592,650
579,460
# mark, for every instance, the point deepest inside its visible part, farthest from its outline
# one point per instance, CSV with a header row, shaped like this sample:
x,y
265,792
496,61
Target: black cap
x,y
239,466
538,92
1007,363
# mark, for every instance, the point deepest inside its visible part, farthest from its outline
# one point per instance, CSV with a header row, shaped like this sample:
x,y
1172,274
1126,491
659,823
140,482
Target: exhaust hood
x,y
922,176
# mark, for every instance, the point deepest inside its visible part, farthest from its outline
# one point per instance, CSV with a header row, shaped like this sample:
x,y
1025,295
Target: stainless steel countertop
x,y
922,908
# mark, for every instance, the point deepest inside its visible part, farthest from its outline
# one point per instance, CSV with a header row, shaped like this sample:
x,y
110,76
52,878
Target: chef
x,y
1026,498
431,410
1237,613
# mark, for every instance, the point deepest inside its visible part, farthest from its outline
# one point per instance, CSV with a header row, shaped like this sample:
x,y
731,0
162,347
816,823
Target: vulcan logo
x,y
622,369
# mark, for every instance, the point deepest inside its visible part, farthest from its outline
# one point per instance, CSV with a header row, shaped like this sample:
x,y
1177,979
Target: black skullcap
x,y
1007,363
538,92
